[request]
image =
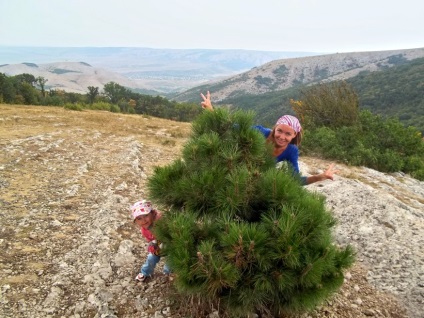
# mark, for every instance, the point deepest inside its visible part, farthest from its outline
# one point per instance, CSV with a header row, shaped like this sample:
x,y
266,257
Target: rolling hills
x,y
389,83
160,71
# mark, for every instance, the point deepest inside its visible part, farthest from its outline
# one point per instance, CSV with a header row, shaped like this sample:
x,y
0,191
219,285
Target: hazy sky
x,y
268,25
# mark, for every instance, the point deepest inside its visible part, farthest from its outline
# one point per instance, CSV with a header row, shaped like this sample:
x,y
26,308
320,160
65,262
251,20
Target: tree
x,y
29,93
240,233
333,105
42,82
7,90
93,92
114,92
26,78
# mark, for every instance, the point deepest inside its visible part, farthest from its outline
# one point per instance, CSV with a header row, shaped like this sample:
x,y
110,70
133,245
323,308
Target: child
x,y
144,217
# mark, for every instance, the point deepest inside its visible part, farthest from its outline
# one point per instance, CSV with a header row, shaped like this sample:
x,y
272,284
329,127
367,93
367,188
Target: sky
x,y
325,26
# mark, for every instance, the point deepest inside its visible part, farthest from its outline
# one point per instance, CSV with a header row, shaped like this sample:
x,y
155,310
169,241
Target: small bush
x,y
418,174
115,108
414,163
100,106
71,106
389,161
332,105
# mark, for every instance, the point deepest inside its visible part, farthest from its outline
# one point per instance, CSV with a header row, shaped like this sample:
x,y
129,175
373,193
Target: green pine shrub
x,y
240,235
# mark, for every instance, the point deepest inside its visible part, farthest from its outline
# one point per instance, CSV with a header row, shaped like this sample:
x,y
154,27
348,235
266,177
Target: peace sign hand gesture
x,y
206,104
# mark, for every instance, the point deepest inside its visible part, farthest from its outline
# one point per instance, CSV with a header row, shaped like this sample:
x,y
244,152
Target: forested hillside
x,y
397,92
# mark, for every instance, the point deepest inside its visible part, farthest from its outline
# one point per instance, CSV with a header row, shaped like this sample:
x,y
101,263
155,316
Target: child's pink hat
x,y
142,207
290,121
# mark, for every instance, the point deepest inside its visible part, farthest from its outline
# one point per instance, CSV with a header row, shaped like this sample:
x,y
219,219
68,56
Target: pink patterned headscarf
x,y
291,121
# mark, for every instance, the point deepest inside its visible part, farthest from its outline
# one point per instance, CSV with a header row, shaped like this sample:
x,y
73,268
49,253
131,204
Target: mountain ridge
x,y
286,73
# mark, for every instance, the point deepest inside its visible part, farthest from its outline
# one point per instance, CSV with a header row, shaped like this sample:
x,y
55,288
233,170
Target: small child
x,y
144,217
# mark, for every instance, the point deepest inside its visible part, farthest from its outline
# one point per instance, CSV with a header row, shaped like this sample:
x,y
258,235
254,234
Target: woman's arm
x,y
327,174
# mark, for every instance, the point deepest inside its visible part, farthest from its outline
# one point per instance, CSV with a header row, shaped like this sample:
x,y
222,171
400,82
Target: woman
x,y
285,137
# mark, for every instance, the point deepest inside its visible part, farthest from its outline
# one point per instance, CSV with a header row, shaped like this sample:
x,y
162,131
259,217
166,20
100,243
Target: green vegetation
x,y
375,142
30,64
28,90
396,92
332,105
281,72
263,81
241,235
268,107
62,71
336,129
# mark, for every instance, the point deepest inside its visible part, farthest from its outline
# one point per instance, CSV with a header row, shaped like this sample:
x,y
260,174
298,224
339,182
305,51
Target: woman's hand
x,y
206,104
329,173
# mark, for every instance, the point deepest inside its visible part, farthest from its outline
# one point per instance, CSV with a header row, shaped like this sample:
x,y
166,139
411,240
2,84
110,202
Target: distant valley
x,y
154,71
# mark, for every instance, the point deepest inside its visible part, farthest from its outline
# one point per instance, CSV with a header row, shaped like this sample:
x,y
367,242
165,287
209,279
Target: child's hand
x,y
153,247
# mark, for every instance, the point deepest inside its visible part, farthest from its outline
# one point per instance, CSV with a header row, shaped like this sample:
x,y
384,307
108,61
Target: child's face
x,y
144,221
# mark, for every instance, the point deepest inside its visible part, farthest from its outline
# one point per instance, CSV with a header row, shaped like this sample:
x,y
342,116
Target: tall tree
x,y
26,78
93,92
115,92
7,89
41,81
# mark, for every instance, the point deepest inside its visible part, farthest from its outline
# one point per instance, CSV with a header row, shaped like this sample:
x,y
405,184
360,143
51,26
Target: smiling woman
x,y
285,137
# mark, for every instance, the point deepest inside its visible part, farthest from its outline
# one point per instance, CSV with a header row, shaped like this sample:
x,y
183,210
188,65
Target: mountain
x,y
387,83
283,74
72,76
159,70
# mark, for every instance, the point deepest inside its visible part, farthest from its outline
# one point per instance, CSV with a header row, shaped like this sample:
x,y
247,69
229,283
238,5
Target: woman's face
x,y
144,220
283,135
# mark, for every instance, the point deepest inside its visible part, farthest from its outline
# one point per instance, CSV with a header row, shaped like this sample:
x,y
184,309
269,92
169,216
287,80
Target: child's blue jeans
x,y
149,266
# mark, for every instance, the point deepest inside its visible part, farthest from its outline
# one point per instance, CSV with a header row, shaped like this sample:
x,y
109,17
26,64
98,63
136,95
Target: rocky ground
x,y
69,249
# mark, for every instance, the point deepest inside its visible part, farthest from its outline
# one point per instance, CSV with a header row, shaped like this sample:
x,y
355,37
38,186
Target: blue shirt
x,y
290,154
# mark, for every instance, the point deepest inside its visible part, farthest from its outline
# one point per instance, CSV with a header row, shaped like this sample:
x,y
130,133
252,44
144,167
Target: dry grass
x,y
43,119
